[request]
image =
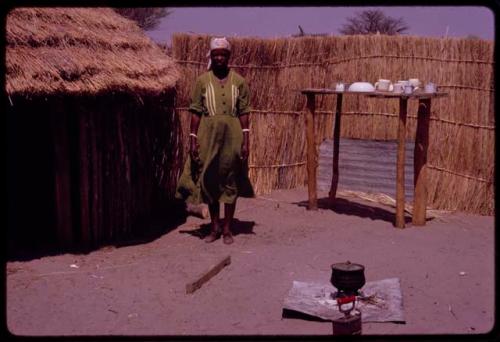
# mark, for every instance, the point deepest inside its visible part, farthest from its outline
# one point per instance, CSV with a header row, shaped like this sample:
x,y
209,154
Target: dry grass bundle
x,y
387,200
82,50
462,125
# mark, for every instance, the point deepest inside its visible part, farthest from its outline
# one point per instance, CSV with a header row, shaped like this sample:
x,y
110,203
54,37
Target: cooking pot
x,y
348,277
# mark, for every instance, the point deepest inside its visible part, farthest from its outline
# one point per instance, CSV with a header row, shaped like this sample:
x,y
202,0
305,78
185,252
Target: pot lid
x,y
348,266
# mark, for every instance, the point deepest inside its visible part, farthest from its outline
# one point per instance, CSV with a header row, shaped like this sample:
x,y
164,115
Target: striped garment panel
x,y
210,99
234,97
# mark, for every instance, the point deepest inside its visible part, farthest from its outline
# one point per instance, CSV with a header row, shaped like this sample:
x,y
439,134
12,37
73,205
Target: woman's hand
x,y
194,149
245,148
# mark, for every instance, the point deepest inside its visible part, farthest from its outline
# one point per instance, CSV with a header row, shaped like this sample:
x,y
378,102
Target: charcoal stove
x,y
348,278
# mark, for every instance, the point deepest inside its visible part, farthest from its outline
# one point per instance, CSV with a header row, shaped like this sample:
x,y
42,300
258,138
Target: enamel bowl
x,y
361,87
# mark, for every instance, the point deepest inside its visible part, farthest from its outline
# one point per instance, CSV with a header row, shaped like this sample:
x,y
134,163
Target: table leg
x,y
400,167
420,161
336,143
312,158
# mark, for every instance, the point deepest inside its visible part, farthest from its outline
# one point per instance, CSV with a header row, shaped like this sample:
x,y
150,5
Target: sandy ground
x,y
446,270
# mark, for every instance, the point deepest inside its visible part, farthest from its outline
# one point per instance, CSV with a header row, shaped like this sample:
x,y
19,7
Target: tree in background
x,y
303,33
147,18
373,21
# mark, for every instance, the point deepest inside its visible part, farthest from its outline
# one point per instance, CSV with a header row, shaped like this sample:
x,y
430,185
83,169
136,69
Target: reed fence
x,y
461,151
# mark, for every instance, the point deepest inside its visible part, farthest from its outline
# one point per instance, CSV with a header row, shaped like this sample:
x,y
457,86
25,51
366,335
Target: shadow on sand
x,y
346,207
158,227
238,227
286,313
145,230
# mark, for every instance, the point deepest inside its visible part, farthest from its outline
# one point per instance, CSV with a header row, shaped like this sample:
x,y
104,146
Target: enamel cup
x,y
408,89
430,88
399,87
383,85
415,82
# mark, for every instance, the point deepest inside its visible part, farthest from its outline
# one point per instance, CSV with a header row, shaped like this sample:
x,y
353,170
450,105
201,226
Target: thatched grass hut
x,y
92,136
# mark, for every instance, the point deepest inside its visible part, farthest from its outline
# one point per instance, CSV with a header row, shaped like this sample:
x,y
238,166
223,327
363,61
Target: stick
x,y
212,271
451,311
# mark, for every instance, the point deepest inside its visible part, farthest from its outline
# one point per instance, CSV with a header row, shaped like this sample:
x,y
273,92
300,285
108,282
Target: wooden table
x,y
420,152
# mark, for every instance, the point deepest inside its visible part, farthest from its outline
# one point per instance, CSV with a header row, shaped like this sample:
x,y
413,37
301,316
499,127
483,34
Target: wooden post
x,y
312,157
100,167
62,181
400,167
84,179
94,169
420,161
336,144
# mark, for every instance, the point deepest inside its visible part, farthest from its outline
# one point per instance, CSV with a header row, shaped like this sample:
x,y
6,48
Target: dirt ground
x,y
446,271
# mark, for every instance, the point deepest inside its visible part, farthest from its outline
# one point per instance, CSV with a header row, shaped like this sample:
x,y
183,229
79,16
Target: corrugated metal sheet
x,y
365,165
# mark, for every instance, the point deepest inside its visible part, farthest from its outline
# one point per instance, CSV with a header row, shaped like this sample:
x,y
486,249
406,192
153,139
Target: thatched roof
x,y
82,50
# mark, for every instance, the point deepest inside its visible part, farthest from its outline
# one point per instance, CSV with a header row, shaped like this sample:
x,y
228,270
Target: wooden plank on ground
x,y
206,276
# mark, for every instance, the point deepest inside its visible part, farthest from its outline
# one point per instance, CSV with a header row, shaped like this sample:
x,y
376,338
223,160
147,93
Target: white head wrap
x,y
217,43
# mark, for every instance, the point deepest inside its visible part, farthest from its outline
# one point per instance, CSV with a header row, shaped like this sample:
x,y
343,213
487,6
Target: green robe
x,y
221,175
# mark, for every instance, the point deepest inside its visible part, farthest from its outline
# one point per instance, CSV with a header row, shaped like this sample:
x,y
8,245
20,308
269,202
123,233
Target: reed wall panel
x,y
461,151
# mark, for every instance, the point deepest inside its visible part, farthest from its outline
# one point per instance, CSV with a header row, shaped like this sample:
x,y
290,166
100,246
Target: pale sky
x,y
267,22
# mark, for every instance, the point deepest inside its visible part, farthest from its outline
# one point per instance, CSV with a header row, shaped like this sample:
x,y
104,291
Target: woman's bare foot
x,y
226,232
227,238
214,233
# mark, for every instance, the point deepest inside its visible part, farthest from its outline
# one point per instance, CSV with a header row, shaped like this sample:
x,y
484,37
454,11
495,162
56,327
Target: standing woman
x,y
216,170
